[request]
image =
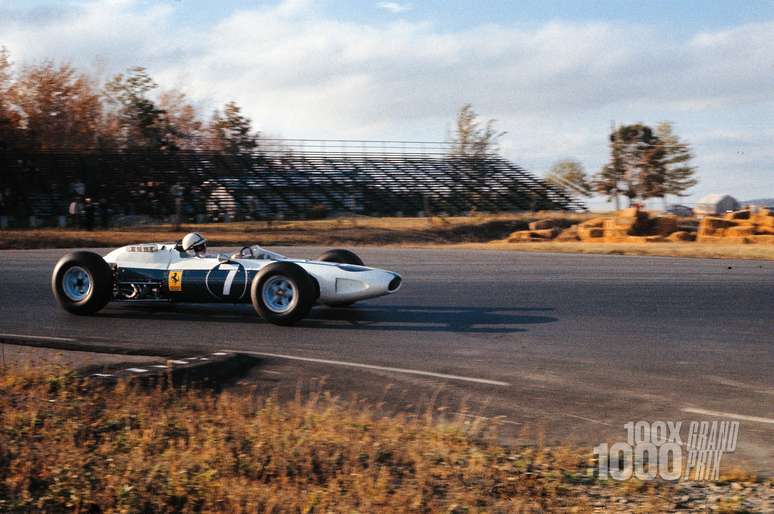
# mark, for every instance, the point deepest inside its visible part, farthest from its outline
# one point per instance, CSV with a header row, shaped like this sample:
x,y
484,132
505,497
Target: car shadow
x,y
478,320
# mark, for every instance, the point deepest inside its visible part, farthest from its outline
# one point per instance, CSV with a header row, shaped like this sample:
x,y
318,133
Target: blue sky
x,y
679,16
553,73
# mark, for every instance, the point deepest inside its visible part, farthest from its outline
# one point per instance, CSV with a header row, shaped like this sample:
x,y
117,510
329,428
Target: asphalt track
x,y
565,347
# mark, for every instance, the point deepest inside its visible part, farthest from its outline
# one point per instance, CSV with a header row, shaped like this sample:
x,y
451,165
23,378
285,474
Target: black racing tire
x,y
341,256
297,279
89,283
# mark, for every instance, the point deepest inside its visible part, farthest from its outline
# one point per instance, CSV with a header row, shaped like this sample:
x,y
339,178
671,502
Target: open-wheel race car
x,y
282,290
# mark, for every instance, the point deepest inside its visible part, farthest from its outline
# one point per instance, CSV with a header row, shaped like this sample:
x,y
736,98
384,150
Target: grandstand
x,y
280,179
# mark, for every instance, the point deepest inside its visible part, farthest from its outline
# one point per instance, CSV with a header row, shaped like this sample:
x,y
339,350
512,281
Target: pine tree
x,y
232,131
637,165
140,122
679,174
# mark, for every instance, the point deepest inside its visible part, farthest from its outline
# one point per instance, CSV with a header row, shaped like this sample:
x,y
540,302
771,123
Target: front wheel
x,y
283,293
82,282
341,256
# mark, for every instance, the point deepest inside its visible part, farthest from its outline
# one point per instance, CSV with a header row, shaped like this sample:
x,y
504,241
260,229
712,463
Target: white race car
x,y
282,290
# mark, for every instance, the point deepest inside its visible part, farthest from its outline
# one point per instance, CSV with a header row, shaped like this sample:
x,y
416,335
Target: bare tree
x,y
472,139
570,176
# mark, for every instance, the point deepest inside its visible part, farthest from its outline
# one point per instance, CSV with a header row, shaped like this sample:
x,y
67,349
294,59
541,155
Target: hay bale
x,y
762,239
547,233
739,231
709,226
568,234
522,236
723,240
664,225
680,236
630,212
744,214
542,224
593,223
637,222
764,218
590,233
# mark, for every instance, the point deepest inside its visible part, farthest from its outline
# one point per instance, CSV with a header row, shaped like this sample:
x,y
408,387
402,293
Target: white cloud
x,y
395,7
554,88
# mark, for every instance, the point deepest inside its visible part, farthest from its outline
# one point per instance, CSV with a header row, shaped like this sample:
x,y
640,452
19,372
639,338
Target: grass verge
x,y
473,232
70,445
352,231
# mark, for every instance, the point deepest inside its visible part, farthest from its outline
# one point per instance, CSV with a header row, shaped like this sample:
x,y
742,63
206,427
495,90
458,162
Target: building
x,y
716,204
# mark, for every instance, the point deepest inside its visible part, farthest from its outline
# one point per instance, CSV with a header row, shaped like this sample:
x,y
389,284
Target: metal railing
x,y
269,146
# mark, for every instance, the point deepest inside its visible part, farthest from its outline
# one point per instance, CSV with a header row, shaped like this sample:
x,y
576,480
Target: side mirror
x,y
223,258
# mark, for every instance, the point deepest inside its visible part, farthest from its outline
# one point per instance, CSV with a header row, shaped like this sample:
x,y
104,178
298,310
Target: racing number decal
x,y
227,281
175,280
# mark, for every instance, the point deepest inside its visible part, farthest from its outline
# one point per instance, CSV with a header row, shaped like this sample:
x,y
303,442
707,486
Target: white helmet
x,y
196,242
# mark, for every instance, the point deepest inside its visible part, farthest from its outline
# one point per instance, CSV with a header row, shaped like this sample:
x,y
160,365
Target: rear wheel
x,y
341,256
82,282
283,293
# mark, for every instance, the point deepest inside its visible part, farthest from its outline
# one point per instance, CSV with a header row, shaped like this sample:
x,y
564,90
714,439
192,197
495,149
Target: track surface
x,y
584,343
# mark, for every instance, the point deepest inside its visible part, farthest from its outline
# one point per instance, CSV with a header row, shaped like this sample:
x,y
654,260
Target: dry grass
x,y
69,445
478,232
354,231
699,250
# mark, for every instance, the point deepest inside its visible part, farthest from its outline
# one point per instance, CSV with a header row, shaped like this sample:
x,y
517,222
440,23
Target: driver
x,y
196,243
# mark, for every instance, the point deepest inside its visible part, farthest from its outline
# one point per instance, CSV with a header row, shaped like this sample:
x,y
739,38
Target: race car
x,y
282,290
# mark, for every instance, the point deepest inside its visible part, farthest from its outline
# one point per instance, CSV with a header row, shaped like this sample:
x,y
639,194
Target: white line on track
x,y
378,368
742,417
586,419
500,418
40,338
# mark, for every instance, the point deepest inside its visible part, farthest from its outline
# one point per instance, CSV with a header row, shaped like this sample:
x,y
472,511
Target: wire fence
x,y
281,179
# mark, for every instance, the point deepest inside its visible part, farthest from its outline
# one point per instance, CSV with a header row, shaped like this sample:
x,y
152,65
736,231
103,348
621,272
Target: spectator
x,y
104,212
88,211
78,188
74,210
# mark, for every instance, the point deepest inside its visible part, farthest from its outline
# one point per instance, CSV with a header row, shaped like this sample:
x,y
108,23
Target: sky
x,y
554,74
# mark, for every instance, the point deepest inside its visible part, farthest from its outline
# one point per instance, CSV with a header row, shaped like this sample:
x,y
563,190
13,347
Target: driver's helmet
x,y
196,243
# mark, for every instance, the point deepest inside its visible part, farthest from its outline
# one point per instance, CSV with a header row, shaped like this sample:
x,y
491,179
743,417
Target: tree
x,y
232,131
637,165
60,108
9,118
181,120
472,140
570,176
140,123
677,156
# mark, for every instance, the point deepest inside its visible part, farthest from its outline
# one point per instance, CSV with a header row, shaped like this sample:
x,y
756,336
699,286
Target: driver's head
x,y
195,242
